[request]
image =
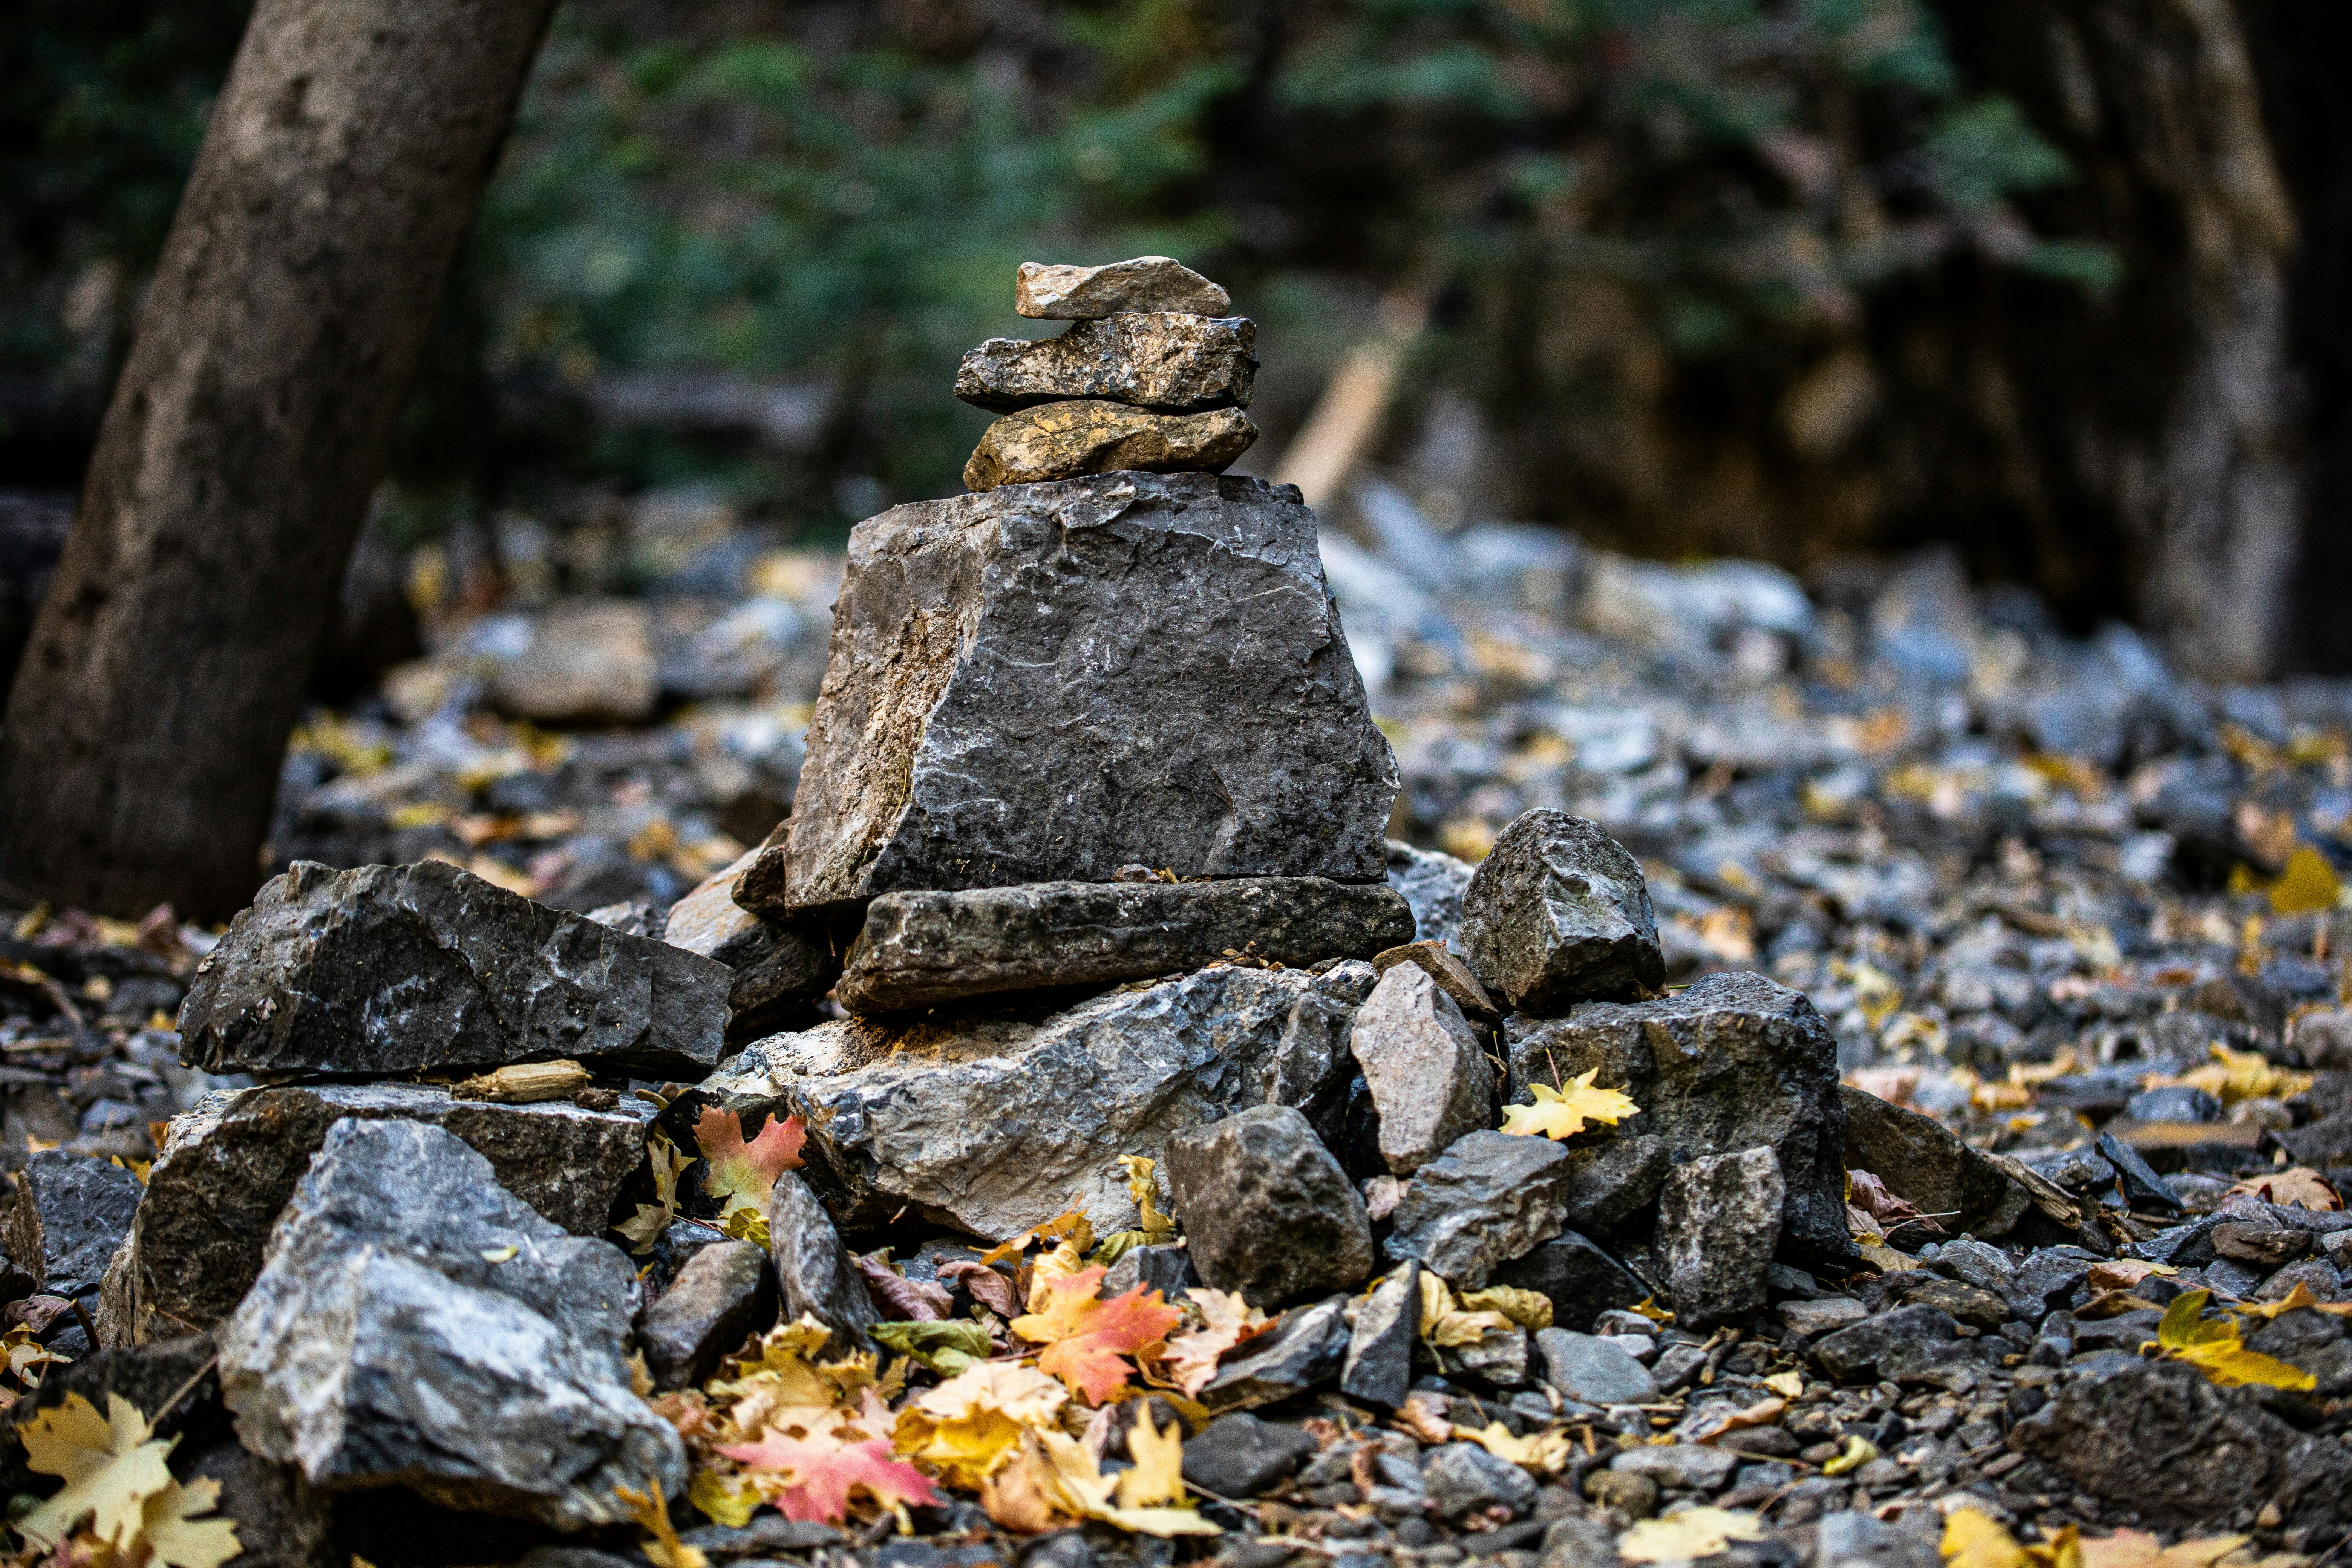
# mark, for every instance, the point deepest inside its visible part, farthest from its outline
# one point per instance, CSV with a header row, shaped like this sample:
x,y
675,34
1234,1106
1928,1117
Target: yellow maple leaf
x,y
1445,1322
1531,1310
1071,1228
2217,1349
1157,1473
2294,1186
970,1426
1065,1471
1563,1112
1694,1533
176,1538
644,1228
1547,1452
1157,1227
2233,1076
110,1470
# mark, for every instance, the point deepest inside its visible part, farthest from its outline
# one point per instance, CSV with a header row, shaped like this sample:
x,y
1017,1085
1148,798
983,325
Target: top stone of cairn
x,y
1050,293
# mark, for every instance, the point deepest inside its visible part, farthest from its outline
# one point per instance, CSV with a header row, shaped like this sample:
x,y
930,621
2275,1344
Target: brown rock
x,y
1055,293
1152,359
1088,436
1453,976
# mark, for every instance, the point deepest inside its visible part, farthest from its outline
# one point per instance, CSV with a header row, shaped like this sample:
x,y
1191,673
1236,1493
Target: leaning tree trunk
x,y
142,742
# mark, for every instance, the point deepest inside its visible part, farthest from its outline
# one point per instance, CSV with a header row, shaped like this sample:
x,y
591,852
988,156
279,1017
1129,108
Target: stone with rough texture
x,y
1592,1370
1735,1062
418,1325
1801,1322
1924,1163
1432,882
1307,1346
1693,1467
1378,1368
1615,1181
229,1163
1718,1224
1167,1269
1559,913
994,1125
1853,1354
394,969
1059,682
814,1270
1239,1456
1580,1280
589,662
1267,1210
782,967
1464,1478
1051,293
1452,977
724,1294
1492,1197
920,949
1161,360
1429,1080
71,1214
1089,435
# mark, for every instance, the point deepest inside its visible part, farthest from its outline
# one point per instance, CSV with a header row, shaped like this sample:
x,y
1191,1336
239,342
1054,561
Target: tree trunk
x,y
144,734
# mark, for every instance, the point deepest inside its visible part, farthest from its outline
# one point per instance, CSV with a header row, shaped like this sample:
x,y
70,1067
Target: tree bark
x,y
143,737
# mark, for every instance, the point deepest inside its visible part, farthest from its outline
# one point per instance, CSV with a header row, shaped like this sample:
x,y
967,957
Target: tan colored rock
x,y
589,662
1050,293
1452,977
1070,440
1158,360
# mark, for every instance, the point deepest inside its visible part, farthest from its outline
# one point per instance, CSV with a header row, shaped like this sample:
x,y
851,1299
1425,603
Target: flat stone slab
x,y
1054,681
1152,358
395,969
1093,436
920,949
1043,291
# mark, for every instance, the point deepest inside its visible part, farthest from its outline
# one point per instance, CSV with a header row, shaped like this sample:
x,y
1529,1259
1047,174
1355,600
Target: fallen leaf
x,y
1692,1534
1531,1310
2233,1076
948,1347
1226,1320
1723,1420
644,1228
970,1425
2135,1549
1787,1385
809,1478
990,1288
1858,1451
1444,1323
650,1508
1973,1539
1421,1417
2296,1186
1087,1339
1563,1112
1072,1227
1064,1472
1866,1192
1157,1473
1648,1307
2308,884
2123,1273
109,1464
1157,1227
1547,1452
743,1174
176,1538
909,1300
2216,1350
729,1499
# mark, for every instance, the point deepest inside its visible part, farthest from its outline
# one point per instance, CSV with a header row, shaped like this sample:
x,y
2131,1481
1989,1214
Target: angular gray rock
x,y
397,969
1491,1197
920,949
1167,1269
1499,1358
1267,1209
1161,360
781,966
1378,1368
1738,1061
1612,1182
1924,1163
1691,1466
1452,977
1559,913
1308,1345
1593,1370
1432,882
229,1164
1464,1478
724,1294
1718,1224
1580,1280
814,1270
1853,1354
993,1125
71,1214
1088,436
1130,668
1429,1076
417,1324
1045,291
1239,1456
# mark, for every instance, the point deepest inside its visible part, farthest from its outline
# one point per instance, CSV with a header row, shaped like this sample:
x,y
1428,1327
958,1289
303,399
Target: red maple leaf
x,y
743,1174
1086,1338
818,1474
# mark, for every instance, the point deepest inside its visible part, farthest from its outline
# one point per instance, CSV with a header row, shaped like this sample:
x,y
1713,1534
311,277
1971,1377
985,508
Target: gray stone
x,y
1801,1322
766,1535
2315,1342
1689,1467
1378,1368
1718,1222
229,1164
1452,977
723,1295
1924,1164
1738,1061
1491,1197
1676,1365
920,949
71,1214
1464,1478
1967,1303
1853,1354
2264,1245
589,662
1578,1543
1591,1369
1974,1262
994,1125
1499,1358
1432,882
1088,436
417,1324
1559,913
1167,1269
2175,1102
1850,1540
1429,1076
1172,363
397,969
814,1270
1130,668
1308,1345
1614,1182
1239,1456
782,967
1267,1210
1051,292
1580,1280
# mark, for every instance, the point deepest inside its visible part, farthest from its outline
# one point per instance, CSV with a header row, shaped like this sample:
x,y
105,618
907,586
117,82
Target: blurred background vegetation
x,y
1790,278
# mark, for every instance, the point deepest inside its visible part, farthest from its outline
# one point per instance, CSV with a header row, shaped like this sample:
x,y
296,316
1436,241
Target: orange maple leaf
x,y
1226,1320
809,1478
1087,1338
743,1174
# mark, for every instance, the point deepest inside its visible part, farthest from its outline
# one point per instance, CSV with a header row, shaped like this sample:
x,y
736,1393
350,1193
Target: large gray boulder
x,y
993,1125
1163,360
1053,681
1557,913
1425,1067
918,950
1492,1197
229,1164
1738,1061
1267,1210
397,969
418,1325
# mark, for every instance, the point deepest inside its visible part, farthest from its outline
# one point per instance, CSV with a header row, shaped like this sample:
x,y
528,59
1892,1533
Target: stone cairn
x,y
1088,848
